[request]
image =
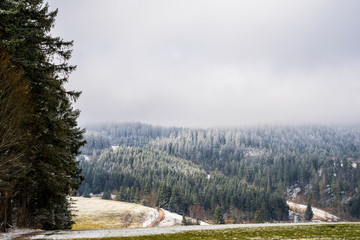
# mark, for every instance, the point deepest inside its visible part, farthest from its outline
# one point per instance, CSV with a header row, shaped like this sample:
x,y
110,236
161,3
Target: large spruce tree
x,y
53,137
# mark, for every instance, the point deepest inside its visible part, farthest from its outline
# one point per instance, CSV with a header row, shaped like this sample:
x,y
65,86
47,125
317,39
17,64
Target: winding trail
x,y
158,219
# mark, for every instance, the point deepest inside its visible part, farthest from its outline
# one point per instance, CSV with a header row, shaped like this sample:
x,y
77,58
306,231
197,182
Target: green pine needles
x,y
308,212
50,138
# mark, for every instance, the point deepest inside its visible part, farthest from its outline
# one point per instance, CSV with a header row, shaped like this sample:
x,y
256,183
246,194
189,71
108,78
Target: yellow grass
x,y
94,213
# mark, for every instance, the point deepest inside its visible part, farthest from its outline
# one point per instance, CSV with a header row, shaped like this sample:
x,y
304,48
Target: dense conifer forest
x,y
247,173
39,136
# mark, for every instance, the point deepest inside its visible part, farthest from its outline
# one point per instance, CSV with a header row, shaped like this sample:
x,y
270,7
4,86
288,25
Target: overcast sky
x,y
214,63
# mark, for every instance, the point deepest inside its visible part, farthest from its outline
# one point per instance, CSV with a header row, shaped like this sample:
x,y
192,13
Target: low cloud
x,y
214,63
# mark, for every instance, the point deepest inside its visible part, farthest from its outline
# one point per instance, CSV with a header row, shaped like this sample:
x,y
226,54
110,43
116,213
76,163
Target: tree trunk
x,y
4,211
22,211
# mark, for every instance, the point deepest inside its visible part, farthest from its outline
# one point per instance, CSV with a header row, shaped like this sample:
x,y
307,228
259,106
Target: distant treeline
x,y
246,171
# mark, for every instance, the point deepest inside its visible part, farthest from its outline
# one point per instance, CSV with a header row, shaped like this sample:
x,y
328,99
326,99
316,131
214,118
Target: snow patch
x,y
293,191
14,233
318,213
115,147
150,218
174,219
295,217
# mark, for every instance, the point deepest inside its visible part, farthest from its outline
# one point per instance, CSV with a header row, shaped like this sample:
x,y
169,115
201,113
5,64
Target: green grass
x,y
324,231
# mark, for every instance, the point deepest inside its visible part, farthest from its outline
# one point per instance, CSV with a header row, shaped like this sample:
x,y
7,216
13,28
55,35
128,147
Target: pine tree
x,y
164,195
86,193
184,221
218,216
54,139
106,195
308,212
120,194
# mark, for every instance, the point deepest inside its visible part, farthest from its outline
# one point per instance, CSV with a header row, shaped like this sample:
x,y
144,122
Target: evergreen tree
x,y
184,221
259,216
308,212
355,207
218,216
164,196
54,138
120,194
86,193
106,195
176,202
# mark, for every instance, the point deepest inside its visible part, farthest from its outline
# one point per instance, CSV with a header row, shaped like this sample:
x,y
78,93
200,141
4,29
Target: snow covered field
x,y
95,213
318,213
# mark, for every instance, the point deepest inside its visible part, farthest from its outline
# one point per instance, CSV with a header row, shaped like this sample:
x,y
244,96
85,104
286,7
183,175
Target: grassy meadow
x,y
92,213
321,231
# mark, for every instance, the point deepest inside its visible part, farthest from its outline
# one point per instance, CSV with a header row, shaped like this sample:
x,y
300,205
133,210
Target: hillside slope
x,y
92,213
245,172
319,214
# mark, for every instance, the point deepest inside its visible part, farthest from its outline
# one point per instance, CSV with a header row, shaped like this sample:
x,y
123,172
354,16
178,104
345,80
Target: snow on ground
x,y
93,213
293,191
173,219
13,233
318,213
115,147
126,232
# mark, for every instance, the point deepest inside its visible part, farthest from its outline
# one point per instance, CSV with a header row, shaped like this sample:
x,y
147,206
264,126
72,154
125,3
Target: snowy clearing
x,y
173,219
95,213
318,213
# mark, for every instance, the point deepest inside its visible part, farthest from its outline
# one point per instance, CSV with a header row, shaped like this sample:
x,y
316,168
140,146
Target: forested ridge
x,y
39,136
247,173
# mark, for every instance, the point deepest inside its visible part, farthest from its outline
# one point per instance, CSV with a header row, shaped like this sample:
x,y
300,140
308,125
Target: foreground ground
x,y
105,219
239,231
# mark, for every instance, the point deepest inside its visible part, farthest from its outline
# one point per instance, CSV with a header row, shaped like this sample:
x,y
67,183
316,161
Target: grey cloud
x,y
214,63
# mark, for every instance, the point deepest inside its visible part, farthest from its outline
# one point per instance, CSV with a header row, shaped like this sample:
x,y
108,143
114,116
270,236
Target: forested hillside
x,y
245,173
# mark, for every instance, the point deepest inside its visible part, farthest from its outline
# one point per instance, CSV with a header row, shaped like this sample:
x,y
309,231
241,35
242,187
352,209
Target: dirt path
x,y
159,218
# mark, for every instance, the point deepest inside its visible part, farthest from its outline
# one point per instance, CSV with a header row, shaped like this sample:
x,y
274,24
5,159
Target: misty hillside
x,y
246,174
